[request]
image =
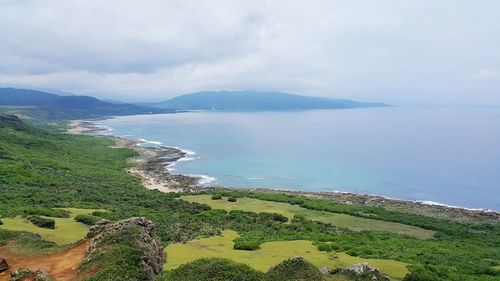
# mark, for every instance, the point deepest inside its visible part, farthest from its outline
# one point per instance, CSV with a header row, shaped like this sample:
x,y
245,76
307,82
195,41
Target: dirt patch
x,y
60,266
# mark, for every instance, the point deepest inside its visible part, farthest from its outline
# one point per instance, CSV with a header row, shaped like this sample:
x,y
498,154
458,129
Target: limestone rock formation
x,y
138,232
362,271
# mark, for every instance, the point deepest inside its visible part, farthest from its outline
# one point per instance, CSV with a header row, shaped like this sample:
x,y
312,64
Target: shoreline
x,y
151,163
152,167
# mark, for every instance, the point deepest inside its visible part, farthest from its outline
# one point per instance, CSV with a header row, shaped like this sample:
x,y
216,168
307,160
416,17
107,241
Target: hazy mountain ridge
x,y
257,100
53,106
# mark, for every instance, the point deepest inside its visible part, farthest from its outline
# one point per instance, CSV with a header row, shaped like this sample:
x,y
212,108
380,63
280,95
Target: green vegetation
x,y
231,199
295,269
66,230
216,197
213,269
289,211
43,171
247,245
87,219
270,254
119,258
42,222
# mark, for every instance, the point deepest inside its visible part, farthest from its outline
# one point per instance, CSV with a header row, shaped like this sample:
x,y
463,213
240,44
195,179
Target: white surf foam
x,y
186,159
204,179
151,142
187,151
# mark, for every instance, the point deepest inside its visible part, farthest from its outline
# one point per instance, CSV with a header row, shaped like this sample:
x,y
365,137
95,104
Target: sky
x,y
421,52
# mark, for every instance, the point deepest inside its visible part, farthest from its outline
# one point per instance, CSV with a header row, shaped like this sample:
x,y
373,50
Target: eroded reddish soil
x,y
60,266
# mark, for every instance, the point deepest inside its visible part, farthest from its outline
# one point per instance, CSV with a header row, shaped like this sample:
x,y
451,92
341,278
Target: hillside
x,y
51,106
54,177
256,101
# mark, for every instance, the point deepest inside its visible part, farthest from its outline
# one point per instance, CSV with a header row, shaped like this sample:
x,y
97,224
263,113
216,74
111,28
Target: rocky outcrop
x,y
361,272
137,232
25,274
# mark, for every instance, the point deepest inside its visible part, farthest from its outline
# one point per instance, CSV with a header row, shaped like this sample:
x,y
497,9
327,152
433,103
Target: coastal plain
x,y
270,254
289,211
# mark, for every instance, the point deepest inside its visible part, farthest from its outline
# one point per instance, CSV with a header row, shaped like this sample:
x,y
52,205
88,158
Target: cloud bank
x,y
403,52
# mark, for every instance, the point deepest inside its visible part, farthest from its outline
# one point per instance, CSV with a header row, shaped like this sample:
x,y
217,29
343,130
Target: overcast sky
x,y
401,52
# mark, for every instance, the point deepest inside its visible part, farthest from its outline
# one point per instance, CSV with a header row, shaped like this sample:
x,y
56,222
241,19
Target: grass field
x,y
67,229
288,210
271,253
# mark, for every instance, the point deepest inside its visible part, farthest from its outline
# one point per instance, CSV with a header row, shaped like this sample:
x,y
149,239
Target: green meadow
x,y
289,211
67,229
270,254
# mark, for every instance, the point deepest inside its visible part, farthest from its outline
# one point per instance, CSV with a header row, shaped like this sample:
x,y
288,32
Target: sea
x,y
436,155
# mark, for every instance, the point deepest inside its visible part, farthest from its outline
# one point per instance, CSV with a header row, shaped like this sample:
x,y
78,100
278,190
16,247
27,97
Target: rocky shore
x,y
151,163
414,207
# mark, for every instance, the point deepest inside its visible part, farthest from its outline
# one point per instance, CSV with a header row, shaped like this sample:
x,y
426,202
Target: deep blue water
x,y
445,155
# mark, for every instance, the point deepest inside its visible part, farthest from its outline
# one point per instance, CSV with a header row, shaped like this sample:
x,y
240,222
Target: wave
x,y
186,159
186,151
427,202
151,142
203,179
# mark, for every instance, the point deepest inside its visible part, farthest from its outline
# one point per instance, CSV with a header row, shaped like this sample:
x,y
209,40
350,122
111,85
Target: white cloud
x,y
388,50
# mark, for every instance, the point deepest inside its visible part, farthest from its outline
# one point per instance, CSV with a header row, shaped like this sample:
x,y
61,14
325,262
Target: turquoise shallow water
x,y
445,155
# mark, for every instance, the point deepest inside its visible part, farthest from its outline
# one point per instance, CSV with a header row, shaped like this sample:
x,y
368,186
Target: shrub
x,y
55,213
216,197
246,245
279,217
427,273
42,222
1,222
232,199
87,219
325,247
294,269
213,269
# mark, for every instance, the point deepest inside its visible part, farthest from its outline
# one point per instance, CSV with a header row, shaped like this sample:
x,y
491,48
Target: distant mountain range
x,y
51,106
255,101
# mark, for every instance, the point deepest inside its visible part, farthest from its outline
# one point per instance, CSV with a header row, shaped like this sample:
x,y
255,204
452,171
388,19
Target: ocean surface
x,y
444,155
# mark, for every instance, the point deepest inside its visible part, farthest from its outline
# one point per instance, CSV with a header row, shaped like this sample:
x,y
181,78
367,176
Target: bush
x,y
87,219
213,269
427,273
54,213
279,217
294,269
216,197
246,245
325,247
232,199
1,222
42,222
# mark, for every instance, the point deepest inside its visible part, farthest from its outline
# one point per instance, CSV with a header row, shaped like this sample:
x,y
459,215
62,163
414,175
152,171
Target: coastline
x,y
151,166
151,163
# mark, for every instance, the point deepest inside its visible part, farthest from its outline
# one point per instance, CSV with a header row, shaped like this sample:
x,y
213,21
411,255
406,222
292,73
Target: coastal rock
x,y
362,271
138,230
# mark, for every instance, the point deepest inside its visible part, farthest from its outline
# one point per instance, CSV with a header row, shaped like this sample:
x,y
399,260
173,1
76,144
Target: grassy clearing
x,y
67,229
288,210
271,253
